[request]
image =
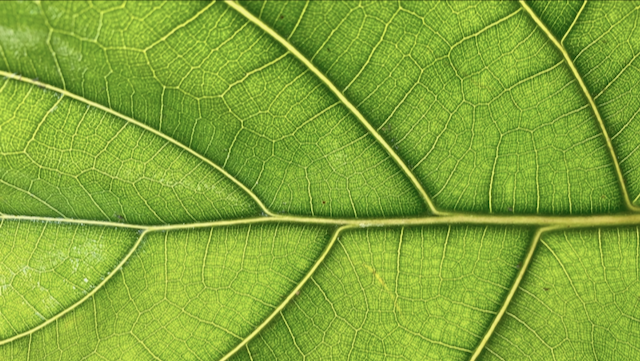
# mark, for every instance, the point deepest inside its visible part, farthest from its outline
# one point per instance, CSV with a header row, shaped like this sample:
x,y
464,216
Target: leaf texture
x,y
319,180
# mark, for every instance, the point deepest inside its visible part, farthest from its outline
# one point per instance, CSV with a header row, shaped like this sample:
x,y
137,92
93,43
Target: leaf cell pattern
x,y
319,180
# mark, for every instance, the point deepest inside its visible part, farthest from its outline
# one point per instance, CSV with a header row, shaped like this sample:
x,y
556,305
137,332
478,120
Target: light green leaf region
x,y
363,306
47,267
580,301
183,295
319,180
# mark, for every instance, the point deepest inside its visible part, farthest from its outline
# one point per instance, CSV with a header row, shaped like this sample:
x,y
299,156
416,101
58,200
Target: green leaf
x,y
319,180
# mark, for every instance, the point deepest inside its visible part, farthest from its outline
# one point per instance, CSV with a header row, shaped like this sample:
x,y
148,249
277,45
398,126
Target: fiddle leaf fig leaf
x,y
319,180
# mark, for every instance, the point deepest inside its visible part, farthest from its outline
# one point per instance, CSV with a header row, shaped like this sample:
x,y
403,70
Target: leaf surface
x,y
319,180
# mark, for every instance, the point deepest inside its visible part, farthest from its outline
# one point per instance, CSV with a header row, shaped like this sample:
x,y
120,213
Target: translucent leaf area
x,y
291,180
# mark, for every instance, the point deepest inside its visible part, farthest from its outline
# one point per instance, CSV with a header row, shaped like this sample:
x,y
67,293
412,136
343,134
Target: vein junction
x,y
558,222
541,223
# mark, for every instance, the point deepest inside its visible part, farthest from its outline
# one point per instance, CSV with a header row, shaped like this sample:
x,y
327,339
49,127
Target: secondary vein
x,y
290,297
587,94
512,291
244,12
83,299
143,126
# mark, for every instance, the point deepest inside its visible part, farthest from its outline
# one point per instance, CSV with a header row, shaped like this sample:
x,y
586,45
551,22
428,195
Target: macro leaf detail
x,y
262,180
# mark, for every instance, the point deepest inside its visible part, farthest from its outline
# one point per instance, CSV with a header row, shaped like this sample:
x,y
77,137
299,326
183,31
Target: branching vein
x,y
343,99
594,108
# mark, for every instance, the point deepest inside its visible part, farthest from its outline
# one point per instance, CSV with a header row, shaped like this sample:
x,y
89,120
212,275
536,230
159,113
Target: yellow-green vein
x,y
291,295
564,222
512,291
343,99
594,108
575,20
83,299
143,126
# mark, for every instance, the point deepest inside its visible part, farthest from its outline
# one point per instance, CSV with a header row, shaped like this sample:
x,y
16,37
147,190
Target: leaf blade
x,y
481,139
359,305
378,105
88,150
343,99
582,322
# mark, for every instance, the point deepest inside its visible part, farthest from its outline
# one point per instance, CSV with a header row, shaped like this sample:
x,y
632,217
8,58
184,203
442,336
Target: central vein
x,y
559,222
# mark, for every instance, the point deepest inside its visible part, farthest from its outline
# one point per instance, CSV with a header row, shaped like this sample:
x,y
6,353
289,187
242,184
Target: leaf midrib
x,y
524,220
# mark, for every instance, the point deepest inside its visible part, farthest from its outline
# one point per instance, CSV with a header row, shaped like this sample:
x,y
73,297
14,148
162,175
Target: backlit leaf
x,y
319,180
